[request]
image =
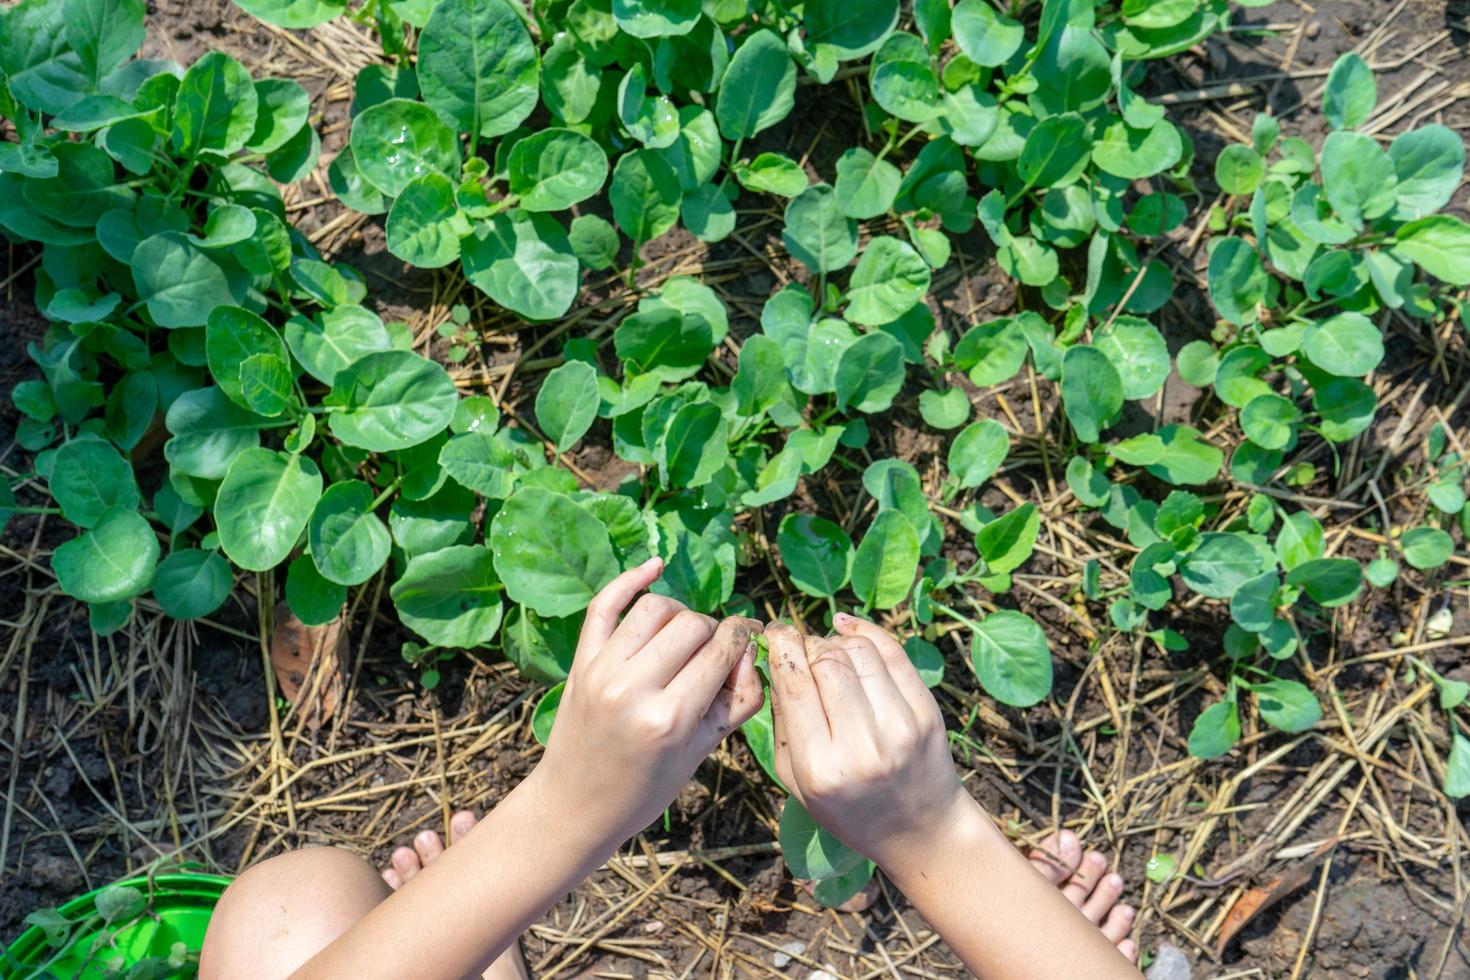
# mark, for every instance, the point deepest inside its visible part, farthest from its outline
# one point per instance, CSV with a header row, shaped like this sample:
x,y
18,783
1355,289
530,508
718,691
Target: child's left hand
x,y
646,701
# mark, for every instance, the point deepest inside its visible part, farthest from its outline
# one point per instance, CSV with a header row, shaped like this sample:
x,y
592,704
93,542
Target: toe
x,y
460,824
1104,896
1129,949
1118,923
428,845
391,876
1056,856
1085,878
406,863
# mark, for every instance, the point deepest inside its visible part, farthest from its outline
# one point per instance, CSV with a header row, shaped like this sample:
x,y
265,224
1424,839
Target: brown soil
x,y
159,742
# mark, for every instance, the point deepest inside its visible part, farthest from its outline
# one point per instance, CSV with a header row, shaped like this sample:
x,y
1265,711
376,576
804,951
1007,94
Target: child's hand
x,y
646,701
860,741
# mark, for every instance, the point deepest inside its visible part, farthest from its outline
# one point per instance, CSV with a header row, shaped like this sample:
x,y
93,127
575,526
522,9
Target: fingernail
x,y
840,620
653,562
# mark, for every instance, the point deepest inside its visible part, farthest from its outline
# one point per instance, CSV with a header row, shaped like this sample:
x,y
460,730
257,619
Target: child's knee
x,y
282,912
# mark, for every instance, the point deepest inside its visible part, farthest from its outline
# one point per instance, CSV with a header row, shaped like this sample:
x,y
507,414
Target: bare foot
x,y
1085,880
408,861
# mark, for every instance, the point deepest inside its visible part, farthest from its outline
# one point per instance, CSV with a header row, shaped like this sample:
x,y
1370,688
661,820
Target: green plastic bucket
x,y
178,910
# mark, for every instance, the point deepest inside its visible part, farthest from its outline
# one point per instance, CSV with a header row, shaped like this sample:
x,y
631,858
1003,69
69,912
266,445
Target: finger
x,y
802,723
605,608
905,675
428,845
703,674
736,702
849,712
649,615
890,709
659,660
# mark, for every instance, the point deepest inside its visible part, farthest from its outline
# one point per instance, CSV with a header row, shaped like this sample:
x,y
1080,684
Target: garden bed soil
x,y
163,742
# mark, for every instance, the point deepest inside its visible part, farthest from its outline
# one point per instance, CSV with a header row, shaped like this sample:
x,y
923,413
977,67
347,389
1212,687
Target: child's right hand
x,y
860,741
646,701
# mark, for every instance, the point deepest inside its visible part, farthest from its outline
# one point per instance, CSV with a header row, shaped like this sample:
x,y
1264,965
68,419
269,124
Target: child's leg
x,y
282,912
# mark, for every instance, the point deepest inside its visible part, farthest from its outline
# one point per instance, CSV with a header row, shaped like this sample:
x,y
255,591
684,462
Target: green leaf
x,y
758,89
552,555
1092,391
1253,606
1160,868
594,241
543,718
810,850
425,223
525,262
1215,730
902,79
761,380
232,335
191,584
1055,152
866,185
947,409
870,373
477,66
209,431
294,14
1457,769
1220,565
480,461
348,541
263,506
1138,352
890,279
391,400
1237,280
1287,705
1381,572
644,194
282,108
817,232
1426,547
817,553
180,282
1011,658
1300,540
1328,581
1350,95
1439,244
1348,344
992,352
1429,163
113,561
450,597
1270,421
88,477
986,37
886,561
1239,169
541,649
327,343
694,446
656,18
395,141
772,173
1006,542
852,28
215,106
651,119
555,168
566,403
664,342
1135,154
311,598
707,213
978,451
1359,177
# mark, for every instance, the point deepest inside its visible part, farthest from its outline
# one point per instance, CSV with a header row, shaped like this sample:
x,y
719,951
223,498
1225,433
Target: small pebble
x,y
653,927
821,975
1169,963
783,958
1313,29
